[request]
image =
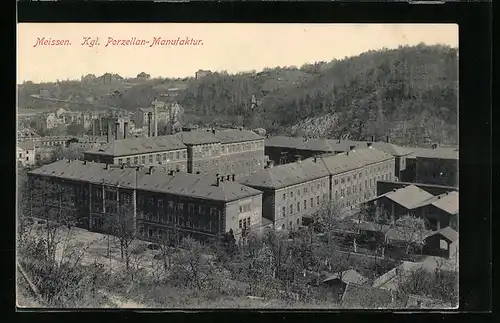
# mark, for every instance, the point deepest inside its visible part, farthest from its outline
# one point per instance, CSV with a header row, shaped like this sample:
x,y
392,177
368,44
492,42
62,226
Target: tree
x,y
327,218
411,230
143,75
122,226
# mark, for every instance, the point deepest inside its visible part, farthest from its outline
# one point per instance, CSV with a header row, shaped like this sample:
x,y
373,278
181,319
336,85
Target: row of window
x,y
154,158
239,147
244,223
199,223
306,189
290,225
162,204
304,204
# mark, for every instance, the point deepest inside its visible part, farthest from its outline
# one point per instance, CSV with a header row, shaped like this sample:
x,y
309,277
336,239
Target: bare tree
x,y
327,218
411,230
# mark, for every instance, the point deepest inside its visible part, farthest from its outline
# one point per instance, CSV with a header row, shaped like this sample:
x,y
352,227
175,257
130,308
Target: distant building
x,y
436,165
202,73
26,153
159,112
162,204
26,133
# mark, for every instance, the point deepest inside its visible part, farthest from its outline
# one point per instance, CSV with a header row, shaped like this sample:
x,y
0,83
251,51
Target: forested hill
x,y
409,93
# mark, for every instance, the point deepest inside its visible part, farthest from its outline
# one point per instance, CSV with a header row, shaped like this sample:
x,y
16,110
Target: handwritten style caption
x,y
115,42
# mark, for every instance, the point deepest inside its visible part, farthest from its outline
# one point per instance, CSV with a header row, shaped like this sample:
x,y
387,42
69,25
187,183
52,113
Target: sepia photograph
x,y
237,166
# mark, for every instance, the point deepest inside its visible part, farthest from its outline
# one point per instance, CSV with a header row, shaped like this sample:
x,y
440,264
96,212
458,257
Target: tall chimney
x,y
117,126
150,115
218,180
233,176
151,168
125,130
373,138
108,132
387,139
156,118
228,178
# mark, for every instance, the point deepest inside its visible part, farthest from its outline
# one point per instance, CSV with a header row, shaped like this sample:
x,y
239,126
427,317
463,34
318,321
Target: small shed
x,y
337,282
442,243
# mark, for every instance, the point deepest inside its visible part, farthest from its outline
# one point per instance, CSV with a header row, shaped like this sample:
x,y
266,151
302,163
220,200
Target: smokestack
x,y
117,126
373,138
387,139
125,130
156,118
150,115
108,132
233,176
218,180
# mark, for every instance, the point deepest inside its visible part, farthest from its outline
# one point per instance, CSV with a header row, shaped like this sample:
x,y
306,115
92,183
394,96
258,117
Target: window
x,y
336,194
284,196
291,208
128,160
150,159
305,190
298,206
317,200
305,204
342,180
298,192
336,182
164,156
354,176
160,203
143,159
21,155
291,194
136,160
283,211
150,232
248,222
27,158
348,178
298,221
180,206
291,224
312,202
178,155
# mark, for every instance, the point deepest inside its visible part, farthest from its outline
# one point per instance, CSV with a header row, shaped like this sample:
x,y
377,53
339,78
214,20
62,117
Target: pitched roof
x,y
180,183
285,175
439,152
138,145
447,202
356,296
354,159
26,145
236,135
348,276
196,137
448,233
409,197
392,149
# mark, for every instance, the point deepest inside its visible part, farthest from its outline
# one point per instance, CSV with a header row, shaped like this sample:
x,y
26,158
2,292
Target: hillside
x,y
409,93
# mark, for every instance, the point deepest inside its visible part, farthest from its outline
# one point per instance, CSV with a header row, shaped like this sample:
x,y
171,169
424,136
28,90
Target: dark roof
x,y
439,152
285,175
180,183
354,159
138,145
356,296
26,145
347,276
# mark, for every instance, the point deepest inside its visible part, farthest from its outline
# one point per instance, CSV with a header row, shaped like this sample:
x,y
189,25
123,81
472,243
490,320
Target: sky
x,y
210,46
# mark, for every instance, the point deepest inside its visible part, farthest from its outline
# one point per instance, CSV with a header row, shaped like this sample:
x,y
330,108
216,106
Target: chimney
x,y
150,116
106,166
373,138
270,164
233,177
69,160
218,180
171,173
352,147
178,170
369,144
228,178
85,162
151,168
315,159
338,141
197,172
387,139
108,132
117,126
125,130
434,146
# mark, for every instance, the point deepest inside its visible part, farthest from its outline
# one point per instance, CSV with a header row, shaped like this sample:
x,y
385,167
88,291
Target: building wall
x,y
25,157
294,202
437,171
203,158
244,216
241,158
386,186
359,185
